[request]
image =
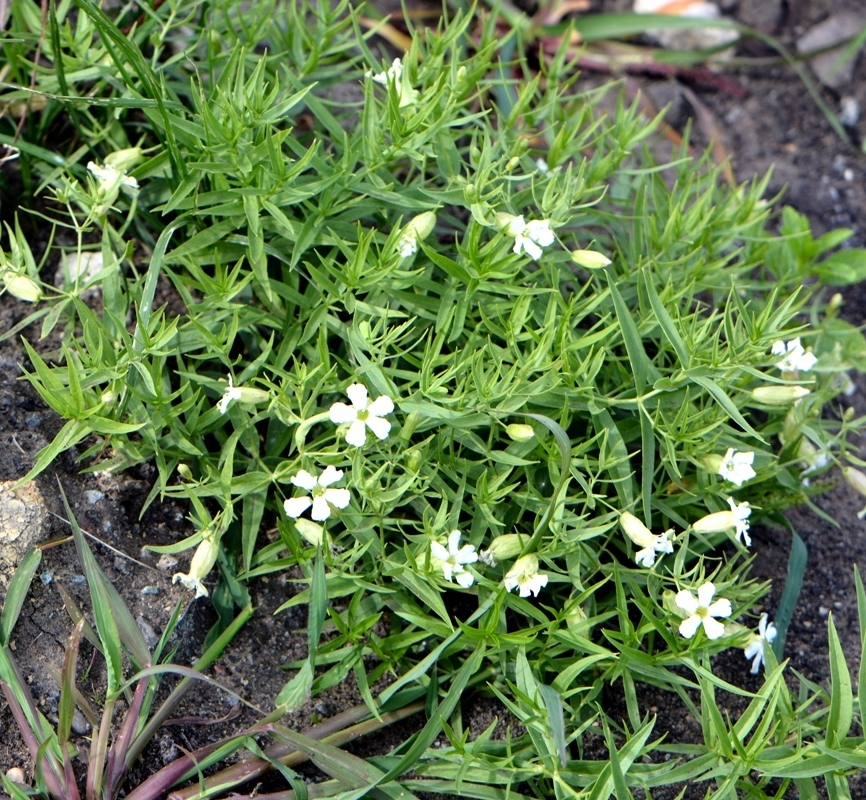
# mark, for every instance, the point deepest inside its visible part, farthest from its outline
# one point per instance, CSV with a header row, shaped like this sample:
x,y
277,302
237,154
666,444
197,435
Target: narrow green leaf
x,y
66,707
669,329
297,691
643,369
841,695
16,594
317,610
797,560
725,402
861,613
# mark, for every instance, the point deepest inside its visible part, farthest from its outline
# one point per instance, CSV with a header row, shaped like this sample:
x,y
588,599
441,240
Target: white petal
x,y
721,608
454,542
536,583
447,570
338,497
525,589
539,231
509,581
466,555
329,476
756,663
519,241
340,413
689,626
770,635
303,480
713,628
532,249
705,594
381,406
686,601
321,509
357,434
646,557
778,348
295,506
438,551
380,427
358,395
465,578
516,226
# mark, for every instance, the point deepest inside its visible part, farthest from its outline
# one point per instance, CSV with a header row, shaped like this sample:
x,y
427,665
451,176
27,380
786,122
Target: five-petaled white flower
x,y
755,648
452,560
525,577
796,358
530,237
363,414
323,497
737,467
231,392
702,610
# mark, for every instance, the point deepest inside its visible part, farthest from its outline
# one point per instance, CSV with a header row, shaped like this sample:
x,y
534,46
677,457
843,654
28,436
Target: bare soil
x,y
776,126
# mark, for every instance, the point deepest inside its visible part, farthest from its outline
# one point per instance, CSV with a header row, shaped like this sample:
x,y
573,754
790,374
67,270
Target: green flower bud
x,y
202,562
422,225
636,530
590,259
23,288
461,74
312,532
249,394
519,433
716,523
711,462
855,479
779,395
108,396
508,545
125,159
184,471
512,163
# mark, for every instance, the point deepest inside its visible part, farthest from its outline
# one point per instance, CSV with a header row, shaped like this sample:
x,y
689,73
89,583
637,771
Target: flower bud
x,y
248,394
508,545
636,530
310,531
512,164
184,471
834,305
590,259
413,463
519,433
711,462
422,225
855,479
461,73
202,562
779,395
108,396
23,288
470,193
125,159
716,523
409,425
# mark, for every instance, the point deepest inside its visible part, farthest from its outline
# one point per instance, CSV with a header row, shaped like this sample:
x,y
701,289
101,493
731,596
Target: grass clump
x,y
502,381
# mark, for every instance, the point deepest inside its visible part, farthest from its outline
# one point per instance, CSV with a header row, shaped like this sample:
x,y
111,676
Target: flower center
x,y
318,491
363,415
703,612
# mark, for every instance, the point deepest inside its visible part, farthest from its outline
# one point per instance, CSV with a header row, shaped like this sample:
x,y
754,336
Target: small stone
x,y
835,30
77,580
16,775
848,174
80,725
93,496
151,590
166,563
23,518
46,577
849,111
147,631
324,709
823,611
837,605
33,420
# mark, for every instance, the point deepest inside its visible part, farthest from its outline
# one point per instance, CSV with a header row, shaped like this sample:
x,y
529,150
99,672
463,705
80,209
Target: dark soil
x,y
777,125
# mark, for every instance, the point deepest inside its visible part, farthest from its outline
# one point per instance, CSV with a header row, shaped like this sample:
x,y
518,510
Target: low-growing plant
x,y
497,379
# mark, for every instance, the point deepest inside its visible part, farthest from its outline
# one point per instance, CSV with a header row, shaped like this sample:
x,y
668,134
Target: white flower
x,y
452,560
702,610
110,177
231,392
323,497
755,648
795,357
530,237
542,166
741,512
646,539
525,577
362,415
394,73
407,244
737,467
